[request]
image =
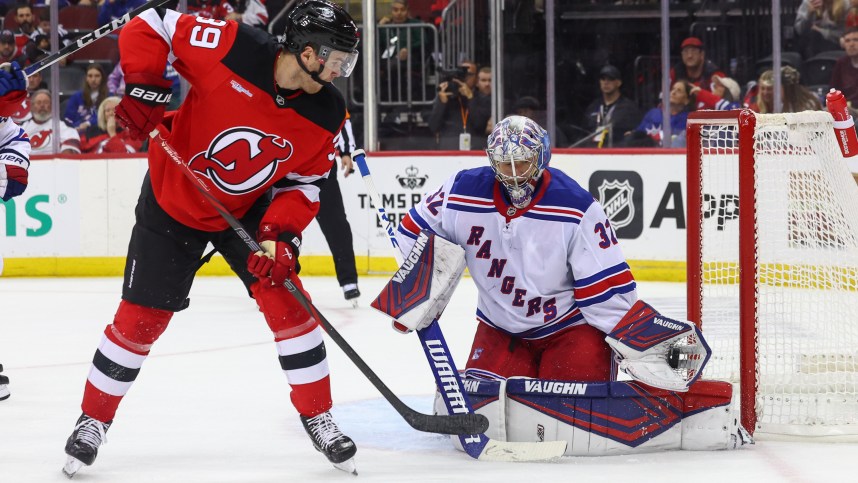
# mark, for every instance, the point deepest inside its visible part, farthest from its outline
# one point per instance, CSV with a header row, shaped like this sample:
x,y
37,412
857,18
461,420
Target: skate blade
x,y
354,303
348,466
72,466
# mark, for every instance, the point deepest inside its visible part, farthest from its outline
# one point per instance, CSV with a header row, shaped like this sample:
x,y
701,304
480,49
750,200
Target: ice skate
x,y
741,437
82,445
351,293
4,385
331,442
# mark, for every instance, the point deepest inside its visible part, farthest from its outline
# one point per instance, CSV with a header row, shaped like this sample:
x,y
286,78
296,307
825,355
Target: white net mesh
x,y
806,271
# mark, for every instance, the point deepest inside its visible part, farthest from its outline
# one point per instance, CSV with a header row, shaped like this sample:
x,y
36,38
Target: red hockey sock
x,y
300,347
121,353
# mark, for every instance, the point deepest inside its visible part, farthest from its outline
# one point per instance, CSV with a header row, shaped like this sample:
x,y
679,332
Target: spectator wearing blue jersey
x,y
650,131
82,108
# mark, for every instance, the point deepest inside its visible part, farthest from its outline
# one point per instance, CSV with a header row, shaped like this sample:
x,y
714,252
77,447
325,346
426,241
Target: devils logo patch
x,y
242,159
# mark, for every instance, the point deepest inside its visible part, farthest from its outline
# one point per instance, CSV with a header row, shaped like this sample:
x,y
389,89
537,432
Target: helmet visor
x,y
337,61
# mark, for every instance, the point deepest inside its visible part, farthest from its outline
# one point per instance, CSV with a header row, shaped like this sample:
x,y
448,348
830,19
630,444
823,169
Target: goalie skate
x,y
82,445
331,442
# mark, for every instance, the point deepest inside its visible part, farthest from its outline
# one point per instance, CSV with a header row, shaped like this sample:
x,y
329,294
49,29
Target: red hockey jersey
x,y
238,131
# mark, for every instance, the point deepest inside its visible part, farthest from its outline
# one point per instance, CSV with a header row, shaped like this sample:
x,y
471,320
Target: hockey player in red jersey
x,y
257,126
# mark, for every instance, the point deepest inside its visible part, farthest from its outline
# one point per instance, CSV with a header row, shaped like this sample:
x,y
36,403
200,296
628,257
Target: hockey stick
x,y
454,424
478,445
91,37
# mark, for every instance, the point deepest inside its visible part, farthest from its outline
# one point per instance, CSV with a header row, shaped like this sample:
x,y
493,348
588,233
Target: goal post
x,y
772,260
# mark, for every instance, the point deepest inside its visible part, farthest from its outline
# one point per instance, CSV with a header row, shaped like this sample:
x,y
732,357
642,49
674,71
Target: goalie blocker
x,y
612,418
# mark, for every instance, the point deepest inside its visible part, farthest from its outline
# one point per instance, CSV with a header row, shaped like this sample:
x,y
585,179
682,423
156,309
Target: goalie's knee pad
x,y
138,327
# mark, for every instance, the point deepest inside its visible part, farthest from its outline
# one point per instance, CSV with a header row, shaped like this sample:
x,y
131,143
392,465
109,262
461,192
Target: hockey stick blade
x,y
441,424
514,452
477,445
90,37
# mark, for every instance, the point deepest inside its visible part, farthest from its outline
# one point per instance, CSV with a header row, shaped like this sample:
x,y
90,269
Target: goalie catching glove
x,y
142,107
278,257
658,351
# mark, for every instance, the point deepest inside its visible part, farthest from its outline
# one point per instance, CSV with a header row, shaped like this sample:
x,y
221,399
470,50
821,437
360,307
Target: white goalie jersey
x,y
541,269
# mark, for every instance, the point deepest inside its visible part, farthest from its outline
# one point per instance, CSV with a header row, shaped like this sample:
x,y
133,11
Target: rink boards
x,y
77,213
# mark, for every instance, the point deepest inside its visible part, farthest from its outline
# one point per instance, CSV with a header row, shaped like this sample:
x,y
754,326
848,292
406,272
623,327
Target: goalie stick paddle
x,y
476,445
91,37
442,424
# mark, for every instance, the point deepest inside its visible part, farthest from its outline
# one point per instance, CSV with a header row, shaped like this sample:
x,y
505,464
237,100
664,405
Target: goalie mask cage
x,y
773,268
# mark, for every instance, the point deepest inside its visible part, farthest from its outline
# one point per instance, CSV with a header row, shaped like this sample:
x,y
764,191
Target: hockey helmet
x,y
519,150
328,29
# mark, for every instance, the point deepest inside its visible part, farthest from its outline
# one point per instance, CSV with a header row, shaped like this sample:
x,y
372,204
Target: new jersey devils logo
x,y
38,139
241,159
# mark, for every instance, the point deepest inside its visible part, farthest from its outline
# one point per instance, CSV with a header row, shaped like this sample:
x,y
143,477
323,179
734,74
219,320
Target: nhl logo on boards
x,y
621,195
540,433
616,198
411,180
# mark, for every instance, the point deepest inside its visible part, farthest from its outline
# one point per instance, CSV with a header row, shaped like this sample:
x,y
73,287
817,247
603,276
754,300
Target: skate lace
x,y
92,432
324,429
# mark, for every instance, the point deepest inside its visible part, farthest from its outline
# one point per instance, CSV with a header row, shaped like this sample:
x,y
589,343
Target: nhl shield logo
x,y
621,195
616,199
411,180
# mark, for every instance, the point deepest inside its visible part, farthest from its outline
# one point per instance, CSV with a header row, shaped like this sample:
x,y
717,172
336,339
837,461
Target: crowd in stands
x,y
86,116
458,115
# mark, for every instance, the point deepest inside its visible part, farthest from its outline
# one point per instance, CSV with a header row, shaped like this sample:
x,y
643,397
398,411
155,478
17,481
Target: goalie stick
x,y
452,424
91,37
477,445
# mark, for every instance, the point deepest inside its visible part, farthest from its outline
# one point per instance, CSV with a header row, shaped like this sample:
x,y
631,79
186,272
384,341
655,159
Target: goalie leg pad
x,y
486,398
613,418
421,288
710,421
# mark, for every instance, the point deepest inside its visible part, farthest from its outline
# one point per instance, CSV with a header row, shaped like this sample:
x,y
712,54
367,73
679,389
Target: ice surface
x,y
211,404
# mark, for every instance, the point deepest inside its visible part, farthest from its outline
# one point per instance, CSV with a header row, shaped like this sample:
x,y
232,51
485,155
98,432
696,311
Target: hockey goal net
x,y
773,267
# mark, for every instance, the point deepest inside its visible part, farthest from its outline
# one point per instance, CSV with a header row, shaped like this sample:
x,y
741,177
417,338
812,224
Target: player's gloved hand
x,y
13,181
13,87
142,107
278,257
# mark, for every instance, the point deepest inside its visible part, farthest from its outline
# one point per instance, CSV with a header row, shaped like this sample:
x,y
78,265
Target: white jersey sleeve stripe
x,y
311,192
165,27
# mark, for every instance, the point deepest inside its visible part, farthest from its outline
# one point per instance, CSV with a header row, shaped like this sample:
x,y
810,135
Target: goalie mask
x,y
519,151
329,30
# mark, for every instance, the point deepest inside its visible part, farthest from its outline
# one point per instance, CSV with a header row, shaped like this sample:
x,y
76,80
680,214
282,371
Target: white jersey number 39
x,y
206,37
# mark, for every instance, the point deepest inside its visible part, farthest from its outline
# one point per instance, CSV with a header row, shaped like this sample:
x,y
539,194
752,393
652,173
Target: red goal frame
x,y
746,124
